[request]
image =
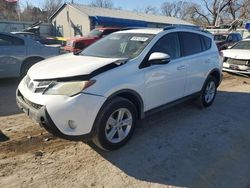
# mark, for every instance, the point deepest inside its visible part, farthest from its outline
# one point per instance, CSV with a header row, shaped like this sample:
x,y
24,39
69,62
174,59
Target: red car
x,y
77,44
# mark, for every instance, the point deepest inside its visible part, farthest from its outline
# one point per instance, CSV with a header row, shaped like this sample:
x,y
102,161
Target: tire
x,y
208,92
111,135
26,66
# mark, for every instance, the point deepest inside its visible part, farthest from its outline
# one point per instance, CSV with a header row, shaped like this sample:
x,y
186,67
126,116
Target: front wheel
x,y
208,92
115,124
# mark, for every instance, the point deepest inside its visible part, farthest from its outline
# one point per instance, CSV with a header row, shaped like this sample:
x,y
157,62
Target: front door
x,y
166,82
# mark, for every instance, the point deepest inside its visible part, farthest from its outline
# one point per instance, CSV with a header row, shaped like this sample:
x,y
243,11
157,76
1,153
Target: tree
x,y
32,13
213,8
150,10
102,3
8,10
179,9
239,9
50,6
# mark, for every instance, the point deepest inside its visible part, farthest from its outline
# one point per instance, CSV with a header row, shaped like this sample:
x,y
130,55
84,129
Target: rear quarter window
x,y
206,43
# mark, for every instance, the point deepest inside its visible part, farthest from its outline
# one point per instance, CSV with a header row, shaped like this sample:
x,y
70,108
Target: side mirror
x,y
158,58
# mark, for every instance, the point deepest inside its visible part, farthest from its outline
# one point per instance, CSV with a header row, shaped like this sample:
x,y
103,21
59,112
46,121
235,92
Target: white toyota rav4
x,y
101,92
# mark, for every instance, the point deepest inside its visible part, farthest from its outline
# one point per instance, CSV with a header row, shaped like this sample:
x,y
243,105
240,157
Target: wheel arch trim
x,y
136,98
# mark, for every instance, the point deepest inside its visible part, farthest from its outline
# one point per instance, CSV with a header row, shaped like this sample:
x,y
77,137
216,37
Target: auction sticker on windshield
x,y
141,39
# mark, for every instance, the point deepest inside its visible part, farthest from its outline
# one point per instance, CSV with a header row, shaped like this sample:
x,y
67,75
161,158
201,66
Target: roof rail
x,y
182,26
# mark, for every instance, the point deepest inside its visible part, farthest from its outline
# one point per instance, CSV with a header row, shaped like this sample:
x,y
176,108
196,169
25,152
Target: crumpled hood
x,y
237,54
68,65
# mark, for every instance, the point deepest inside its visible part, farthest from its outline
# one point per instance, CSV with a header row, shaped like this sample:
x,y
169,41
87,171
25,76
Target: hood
x,y
237,54
68,65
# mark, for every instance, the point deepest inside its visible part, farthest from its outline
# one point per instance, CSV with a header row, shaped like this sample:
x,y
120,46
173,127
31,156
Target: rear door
x,y
198,59
12,53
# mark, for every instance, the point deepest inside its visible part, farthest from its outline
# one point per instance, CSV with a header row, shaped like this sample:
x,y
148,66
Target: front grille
x,y
237,61
34,105
37,86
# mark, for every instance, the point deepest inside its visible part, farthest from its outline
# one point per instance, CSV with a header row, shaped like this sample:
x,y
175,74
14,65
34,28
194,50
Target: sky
x,y
124,4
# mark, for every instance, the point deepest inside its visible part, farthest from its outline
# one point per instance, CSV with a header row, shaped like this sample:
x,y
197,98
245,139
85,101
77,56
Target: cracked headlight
x,y
68,88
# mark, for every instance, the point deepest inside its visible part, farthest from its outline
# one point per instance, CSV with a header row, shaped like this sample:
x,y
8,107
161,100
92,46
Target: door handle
x,y
181,67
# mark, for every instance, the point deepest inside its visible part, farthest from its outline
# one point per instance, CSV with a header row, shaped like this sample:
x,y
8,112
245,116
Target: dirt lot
x,y
180,147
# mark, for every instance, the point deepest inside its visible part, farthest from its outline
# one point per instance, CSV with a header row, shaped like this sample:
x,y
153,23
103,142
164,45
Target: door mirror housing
x,y
158,58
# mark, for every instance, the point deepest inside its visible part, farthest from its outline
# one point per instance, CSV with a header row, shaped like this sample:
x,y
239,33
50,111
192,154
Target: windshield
x,y
95,33
119,45
244,45
220,37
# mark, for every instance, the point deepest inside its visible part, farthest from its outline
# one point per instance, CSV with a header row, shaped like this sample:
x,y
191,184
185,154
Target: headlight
x,y
68,88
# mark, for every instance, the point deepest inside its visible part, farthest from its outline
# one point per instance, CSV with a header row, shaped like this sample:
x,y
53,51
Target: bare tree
x,y
150,10
50,6
212,9
239,9
102,3
32,13
8,10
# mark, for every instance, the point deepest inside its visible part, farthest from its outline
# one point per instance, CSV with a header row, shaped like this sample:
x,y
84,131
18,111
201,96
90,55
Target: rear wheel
x,y
115,124
208,92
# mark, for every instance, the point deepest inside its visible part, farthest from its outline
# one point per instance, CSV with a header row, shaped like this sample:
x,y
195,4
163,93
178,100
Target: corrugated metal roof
x,y
116,13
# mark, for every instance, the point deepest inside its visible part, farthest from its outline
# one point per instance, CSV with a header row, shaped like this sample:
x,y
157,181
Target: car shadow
x,y
8,104
189,147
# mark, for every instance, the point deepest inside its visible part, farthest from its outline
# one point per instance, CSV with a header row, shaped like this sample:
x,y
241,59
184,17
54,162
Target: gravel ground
x,y
183,146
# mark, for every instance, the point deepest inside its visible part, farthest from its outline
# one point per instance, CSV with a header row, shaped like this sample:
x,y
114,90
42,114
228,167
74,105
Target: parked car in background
x,y
223,40
237,58
78,44
101,92
18,54
39,38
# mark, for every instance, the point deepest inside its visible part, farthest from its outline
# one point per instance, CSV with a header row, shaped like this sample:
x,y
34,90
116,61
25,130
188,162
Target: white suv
x,y
101,92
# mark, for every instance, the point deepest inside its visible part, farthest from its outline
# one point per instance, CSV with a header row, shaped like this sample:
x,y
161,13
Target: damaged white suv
x,y
101,92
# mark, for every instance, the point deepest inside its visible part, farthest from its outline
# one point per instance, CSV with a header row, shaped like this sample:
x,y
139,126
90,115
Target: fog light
x,y
72,124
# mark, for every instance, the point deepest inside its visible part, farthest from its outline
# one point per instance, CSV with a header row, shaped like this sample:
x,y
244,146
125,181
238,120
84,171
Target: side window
x,y
239,37
9,40
168,44
230,38
206,43
191,43
235,38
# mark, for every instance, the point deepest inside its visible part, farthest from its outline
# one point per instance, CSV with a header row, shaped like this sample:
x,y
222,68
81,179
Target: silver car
x,y
18,54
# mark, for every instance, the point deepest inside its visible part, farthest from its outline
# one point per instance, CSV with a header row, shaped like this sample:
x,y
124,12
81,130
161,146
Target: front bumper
x,y
54,115
242,69
42,117
236,71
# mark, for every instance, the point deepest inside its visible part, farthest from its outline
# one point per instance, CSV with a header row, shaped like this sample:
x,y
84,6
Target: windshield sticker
x,y
114,38
141,39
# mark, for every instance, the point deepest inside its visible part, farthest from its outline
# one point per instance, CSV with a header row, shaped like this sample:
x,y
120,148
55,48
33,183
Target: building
x,y
75,19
